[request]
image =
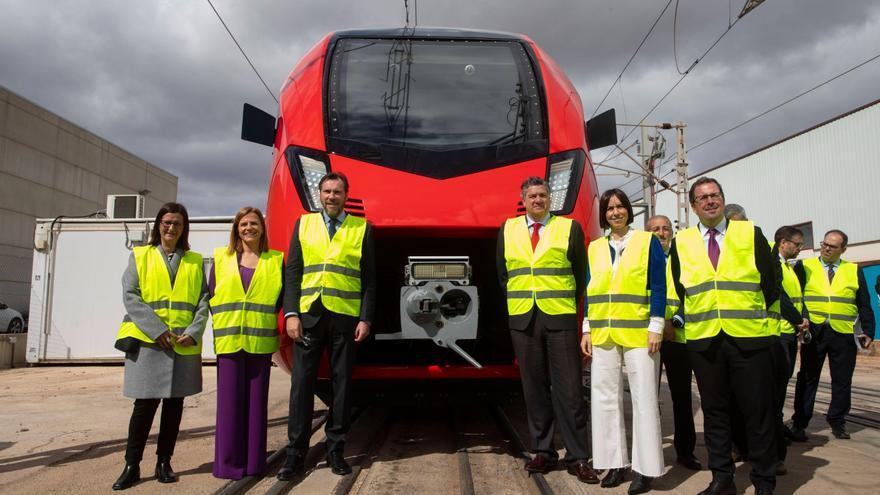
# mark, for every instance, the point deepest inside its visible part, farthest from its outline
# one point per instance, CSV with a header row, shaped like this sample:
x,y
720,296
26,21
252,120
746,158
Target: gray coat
x,y
151,372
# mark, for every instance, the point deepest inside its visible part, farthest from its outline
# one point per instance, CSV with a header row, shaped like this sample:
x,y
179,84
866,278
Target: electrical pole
x,y
646,152
681,190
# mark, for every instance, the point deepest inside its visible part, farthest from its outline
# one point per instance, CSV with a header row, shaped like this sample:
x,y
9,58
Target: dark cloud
x,y
164,80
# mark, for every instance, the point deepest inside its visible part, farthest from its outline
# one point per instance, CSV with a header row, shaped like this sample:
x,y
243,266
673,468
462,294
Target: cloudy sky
x,y
164,80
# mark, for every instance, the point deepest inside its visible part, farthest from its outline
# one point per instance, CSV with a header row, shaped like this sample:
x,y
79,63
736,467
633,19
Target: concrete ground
x,y
63,430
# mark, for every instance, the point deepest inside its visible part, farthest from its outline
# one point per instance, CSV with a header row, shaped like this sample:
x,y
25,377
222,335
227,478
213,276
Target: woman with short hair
x,y
166,304
625,308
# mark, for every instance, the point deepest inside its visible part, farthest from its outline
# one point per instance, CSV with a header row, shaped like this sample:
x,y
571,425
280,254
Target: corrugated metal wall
x,y
829,176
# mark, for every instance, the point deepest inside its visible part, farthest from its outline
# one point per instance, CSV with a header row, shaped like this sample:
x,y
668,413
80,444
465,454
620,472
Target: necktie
x,y
830,273
714,249
535,235
332,228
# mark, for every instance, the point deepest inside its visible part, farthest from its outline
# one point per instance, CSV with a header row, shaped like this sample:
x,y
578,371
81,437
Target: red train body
x,y
435,129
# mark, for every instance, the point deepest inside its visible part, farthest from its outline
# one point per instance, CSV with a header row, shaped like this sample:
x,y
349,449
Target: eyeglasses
x,y
707,197
168,225
825,245
798,245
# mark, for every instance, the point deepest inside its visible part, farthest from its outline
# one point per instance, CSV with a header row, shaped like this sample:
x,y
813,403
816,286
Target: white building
x,y
825,177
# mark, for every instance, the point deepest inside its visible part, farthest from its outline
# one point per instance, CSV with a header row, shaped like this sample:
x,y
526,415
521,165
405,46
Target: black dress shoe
x,y
584,472
717,487
613,478
764,491
641,484
164,473
131,474
540,464
337,463
840,432
781,470
689,462
293,467
798,435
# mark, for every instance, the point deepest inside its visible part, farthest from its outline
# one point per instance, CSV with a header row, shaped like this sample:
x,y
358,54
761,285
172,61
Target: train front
x,y
435,129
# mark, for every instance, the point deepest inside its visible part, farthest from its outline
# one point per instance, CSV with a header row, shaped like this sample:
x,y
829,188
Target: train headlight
x,y
421,269
312,171
306,169
564,171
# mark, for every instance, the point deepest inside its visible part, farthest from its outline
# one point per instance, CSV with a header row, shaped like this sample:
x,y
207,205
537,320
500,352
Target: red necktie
x,y
535,236
714,249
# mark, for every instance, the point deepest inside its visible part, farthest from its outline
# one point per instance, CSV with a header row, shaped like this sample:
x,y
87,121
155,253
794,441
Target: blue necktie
x,y
332,228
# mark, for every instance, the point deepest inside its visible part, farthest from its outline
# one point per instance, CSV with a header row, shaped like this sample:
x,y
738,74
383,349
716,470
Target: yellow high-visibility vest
x,y
542,276
332,269
246,321
618,304
728,298
834,303
174,304
792,288
672,304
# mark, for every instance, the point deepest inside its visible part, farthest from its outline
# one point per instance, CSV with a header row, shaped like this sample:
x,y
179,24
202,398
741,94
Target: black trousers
x,y
679,376
841,352
334,332
551,368
784,354
727,373
142,420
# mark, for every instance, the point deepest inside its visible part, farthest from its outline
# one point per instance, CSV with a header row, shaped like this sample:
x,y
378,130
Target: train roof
x,y
428,32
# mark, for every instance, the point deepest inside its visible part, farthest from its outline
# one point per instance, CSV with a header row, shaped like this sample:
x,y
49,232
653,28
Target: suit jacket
x,y
293,280
771,284
577,255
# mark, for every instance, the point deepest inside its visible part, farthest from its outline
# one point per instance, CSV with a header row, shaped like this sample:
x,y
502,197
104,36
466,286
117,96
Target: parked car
x,y
10,320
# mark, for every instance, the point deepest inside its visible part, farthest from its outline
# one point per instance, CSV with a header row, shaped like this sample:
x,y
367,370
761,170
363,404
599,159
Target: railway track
x,y
392,449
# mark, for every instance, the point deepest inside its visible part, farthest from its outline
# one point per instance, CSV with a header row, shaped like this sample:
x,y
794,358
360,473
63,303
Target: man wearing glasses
x,y
788,316
835,294
726,279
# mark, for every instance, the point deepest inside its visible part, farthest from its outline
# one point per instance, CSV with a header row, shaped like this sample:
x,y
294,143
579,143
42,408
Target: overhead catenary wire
x,y
242,51
633,56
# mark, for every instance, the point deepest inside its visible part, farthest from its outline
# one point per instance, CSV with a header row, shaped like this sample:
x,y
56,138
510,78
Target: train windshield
x,y
432,96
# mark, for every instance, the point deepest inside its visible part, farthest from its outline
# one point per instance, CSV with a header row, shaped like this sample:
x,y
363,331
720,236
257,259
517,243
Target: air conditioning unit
x,y
125,206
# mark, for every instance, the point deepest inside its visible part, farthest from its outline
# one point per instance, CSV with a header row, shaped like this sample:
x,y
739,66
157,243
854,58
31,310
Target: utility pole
x,y
681,190
646,152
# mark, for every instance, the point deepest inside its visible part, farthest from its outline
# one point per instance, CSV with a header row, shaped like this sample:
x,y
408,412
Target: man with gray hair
x,y
542,268
734,211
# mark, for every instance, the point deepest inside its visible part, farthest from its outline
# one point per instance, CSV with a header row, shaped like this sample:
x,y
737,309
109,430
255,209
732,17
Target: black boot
x,y
164,473
131,474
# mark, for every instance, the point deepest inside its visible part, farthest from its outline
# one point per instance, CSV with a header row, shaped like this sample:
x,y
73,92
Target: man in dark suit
x,y
835,295
541,262
726,280
329,300
673,354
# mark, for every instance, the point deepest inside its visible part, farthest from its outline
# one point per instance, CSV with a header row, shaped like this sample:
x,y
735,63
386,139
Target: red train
x,y
436,129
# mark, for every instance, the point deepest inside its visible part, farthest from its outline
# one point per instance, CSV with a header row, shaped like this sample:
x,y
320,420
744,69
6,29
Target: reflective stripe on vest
x,y
728,298
331,269
174,305
835,302
618,303
246,321
542,276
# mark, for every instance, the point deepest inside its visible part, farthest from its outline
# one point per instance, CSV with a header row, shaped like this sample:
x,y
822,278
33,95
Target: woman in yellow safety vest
x,y
625,309
245,286
166,304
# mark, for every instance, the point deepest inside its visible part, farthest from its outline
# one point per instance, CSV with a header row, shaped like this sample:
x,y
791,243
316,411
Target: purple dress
x,y
242,397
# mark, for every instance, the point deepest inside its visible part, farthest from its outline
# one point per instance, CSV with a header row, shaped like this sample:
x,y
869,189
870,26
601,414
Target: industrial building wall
x,y
51,167
826,177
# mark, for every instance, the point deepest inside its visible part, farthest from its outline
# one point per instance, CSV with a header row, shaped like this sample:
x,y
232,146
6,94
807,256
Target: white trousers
x,y
608,425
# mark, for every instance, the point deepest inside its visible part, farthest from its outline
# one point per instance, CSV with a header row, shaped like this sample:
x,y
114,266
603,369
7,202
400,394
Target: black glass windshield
x,y
433,96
